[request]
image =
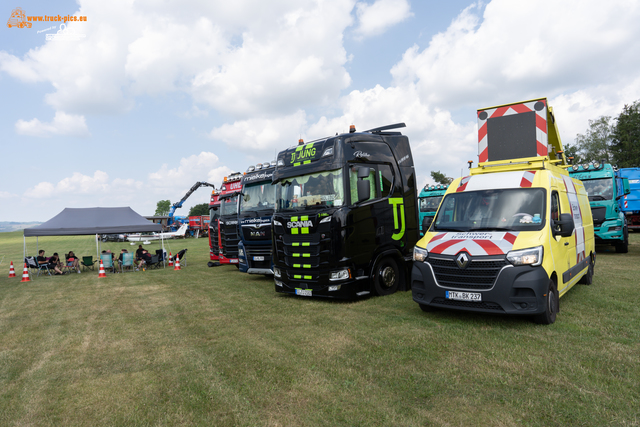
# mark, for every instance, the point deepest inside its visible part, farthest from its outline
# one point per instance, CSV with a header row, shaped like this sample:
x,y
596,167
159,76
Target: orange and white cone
x,y
101,273
25,274
177,267
12,272
170,260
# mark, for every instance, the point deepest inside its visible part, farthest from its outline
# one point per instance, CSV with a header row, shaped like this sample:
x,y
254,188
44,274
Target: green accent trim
x,y
295,255
305,230
296,244
306,255
398,204
294,231
308,277
306,244
304,218
296,265
296,276
306,266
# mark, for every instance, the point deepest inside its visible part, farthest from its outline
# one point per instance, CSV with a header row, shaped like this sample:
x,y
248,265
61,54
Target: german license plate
x,y
258,258
304,292
464,296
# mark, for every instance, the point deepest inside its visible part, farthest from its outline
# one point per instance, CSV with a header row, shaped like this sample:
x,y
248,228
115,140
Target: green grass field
x,y
214,347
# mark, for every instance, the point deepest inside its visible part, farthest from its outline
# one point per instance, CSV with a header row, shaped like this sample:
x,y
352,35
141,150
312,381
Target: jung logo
x,y
462,260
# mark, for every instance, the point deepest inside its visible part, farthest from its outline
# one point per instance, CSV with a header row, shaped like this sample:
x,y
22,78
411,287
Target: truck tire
x,y
551,304
386,277
623,248
587,279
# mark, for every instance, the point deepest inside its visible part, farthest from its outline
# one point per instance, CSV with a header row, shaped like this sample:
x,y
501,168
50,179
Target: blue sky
x,y
144,98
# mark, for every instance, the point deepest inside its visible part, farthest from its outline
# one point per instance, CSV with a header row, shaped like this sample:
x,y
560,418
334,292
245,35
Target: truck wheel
x,y
623,248
386,277
551,308
587,279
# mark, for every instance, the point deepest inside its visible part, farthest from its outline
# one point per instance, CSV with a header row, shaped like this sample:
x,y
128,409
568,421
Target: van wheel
x,y
551,308
623,248
587,279
386,277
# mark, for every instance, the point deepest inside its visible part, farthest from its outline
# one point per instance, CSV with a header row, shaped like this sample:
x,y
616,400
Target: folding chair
x,y
107,262
154,263
87,262
181,255
127,261
161,256
32,264
66,267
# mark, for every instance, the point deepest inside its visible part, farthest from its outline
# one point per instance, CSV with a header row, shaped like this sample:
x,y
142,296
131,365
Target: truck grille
x,y
229,240
599,215
479,275
258,251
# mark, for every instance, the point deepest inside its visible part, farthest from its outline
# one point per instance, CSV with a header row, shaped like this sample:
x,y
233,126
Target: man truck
x,y
605,188
346,215
516,234
255,209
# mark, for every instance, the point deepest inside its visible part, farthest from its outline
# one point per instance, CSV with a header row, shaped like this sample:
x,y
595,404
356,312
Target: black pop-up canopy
x,y
86,221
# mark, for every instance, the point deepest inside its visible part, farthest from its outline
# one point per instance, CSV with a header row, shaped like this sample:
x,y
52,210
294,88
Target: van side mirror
x,y
564,226
426,223
364,186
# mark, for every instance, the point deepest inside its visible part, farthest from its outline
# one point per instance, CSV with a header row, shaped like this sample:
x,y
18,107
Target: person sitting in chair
x,y
54,263
144,259
73,261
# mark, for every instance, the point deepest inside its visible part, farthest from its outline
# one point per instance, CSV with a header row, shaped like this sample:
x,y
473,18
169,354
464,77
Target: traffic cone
x,y
177,267
12,272
25,274
170,260
101,273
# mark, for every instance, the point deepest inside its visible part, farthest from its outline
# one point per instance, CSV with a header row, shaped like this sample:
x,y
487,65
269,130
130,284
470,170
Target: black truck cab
x,y
346,215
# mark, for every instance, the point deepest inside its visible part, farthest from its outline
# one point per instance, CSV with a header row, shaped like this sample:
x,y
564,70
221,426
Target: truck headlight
x,y
276,272
343,274
531,256
276,222
420,254
240,252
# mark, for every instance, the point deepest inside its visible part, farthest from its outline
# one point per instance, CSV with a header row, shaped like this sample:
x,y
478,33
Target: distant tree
x,y
199,210
440,178
626,137
572,151
595,144
162,208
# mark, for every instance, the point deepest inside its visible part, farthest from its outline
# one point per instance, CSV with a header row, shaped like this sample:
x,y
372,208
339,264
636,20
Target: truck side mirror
x,y
564,226
364,190
426,223
364,186
625,186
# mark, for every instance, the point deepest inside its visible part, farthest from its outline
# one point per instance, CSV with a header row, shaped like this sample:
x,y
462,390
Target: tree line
x,y
614,140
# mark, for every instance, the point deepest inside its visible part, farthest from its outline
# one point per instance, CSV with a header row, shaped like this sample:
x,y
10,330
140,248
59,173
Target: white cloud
x,y
374,19
521,49
243,59
63,124
260,137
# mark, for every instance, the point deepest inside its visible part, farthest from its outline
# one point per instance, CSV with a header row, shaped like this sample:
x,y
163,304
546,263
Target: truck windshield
x,y
519,209
324,189
430,204
599,189
229,206
258,197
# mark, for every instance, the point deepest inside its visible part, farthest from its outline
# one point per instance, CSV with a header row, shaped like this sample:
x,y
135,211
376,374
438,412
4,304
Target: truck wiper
x,y
597,197
489,228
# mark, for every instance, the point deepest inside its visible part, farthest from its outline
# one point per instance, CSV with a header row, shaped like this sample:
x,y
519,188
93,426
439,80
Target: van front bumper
x,y
515,290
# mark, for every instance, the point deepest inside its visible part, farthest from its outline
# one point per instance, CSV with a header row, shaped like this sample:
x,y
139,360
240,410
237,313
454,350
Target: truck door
x,y
372,221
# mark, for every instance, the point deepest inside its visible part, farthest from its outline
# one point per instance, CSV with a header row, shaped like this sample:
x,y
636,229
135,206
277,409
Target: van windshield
x,y
521,209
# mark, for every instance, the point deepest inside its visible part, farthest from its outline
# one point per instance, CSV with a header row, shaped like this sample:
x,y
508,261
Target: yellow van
x,y
512,237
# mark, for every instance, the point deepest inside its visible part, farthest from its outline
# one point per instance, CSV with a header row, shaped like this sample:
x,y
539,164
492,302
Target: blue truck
x,y
429,201
630,203
605,187
255,209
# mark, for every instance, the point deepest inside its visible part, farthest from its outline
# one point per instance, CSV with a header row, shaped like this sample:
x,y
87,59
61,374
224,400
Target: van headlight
x,y
420,254
531,256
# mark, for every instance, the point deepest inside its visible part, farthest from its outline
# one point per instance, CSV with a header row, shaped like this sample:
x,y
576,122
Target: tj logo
x,y
398,205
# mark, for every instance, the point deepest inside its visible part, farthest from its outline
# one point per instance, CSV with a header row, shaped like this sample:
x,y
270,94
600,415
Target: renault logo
x,y
462,260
